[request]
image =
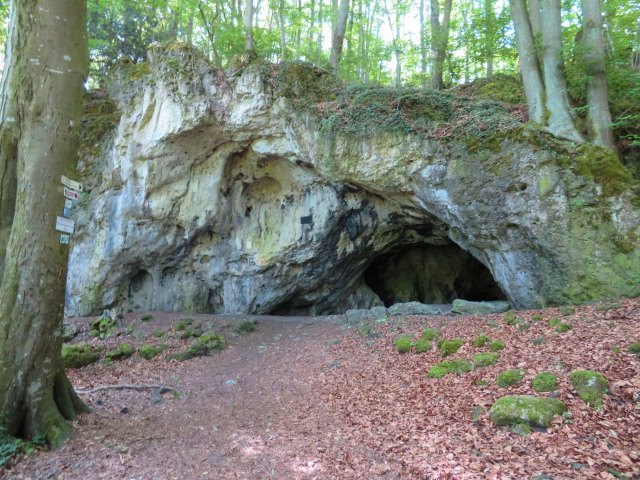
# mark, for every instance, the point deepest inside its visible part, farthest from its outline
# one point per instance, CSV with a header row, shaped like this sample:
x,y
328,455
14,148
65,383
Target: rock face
x,y
227,193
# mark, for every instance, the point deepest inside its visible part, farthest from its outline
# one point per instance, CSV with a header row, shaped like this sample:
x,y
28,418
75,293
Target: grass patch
x,y
449,347
563,327
544,382
457,366
480,341
485,359
183,324
403,344
246,327
149,351
496,345
634,348
147,317
430,334
422,345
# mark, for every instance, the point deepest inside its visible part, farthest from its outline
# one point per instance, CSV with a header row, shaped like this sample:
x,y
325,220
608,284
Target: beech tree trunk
x,y
560,121
598,113
439,41
248,26
529,66
338,34
40,109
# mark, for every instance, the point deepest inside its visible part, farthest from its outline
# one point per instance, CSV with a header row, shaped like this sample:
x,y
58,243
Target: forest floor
x,y
316,398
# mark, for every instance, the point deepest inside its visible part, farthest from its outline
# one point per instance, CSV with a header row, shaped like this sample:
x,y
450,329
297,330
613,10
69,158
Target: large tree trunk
x,y
41,100
529,66
439,41
338,34
560,120
599,115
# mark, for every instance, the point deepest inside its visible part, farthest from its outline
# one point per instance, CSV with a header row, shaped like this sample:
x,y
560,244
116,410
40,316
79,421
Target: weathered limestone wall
x,y
216,195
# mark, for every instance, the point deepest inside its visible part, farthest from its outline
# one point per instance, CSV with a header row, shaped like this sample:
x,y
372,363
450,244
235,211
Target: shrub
x,y
544,382
403,344
496,345
509,377
449,347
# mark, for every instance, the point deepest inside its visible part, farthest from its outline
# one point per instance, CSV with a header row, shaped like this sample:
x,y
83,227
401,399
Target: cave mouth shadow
x,y
430,274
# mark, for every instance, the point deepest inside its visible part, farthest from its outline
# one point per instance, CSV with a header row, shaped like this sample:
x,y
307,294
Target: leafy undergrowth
x,y
423,427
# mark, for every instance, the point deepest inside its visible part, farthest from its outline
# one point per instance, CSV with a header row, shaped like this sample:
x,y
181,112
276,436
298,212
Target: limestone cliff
x,y
274,189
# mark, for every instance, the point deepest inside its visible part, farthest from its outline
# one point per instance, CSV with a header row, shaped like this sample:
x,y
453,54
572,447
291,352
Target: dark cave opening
x,y
432,275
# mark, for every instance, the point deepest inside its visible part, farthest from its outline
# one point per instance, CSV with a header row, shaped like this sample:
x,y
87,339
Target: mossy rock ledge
x,y
319,178
527,409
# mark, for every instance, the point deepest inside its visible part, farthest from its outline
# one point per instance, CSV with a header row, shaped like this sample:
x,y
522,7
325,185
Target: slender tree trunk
x,y
41,105
283,31
489,36
338,35
560,120
248,26
439,41
423,46
320,36
598,114
529,66
535,19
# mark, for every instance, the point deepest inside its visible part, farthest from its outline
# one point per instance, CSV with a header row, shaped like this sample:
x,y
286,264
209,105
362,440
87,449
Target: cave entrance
x,y
432,275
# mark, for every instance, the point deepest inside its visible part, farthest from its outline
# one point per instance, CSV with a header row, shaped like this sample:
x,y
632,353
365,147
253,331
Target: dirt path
x,y
244,412
303,398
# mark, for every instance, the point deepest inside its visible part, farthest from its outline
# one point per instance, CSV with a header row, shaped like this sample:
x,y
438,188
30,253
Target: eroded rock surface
x,y
227,193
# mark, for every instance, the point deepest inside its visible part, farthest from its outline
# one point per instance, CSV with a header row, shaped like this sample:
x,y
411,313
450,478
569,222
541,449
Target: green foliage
x,y
544,382
602,166
430,334
124,350
10,447
103,328
634,348
553,322
457,366
159,333
539,341
509,377
537,317
422,345
496,345
567,310
480,341
485,359
403,344
149,351
184,323
500,88
511,319
590,386
206,344
147,317
563,327
246,327
78,355
449,347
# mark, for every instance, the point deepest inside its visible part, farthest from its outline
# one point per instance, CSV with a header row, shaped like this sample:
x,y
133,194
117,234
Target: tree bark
x,y
598,113
41,105
248,26
529,66
560,121
338,35
423,46
439,41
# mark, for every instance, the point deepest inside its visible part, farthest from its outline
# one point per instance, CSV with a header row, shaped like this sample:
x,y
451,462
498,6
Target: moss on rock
x,y
457,366
78,355
449,347
124,350
485,359
149,351
544,382
590,386
422,345
403,344
509,377
526,409
480,341
246,327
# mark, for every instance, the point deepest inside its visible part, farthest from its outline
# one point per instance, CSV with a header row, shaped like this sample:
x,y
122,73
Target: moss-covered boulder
x,y
205,345
449,347
422,345
526,409
124,350
78,355
590,386
246,327
544,382
103,327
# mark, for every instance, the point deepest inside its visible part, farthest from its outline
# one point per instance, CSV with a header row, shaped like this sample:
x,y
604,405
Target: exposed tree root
x,y
162,388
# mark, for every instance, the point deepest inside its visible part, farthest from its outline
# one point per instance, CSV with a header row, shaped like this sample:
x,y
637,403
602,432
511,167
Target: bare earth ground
x,y
305,398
